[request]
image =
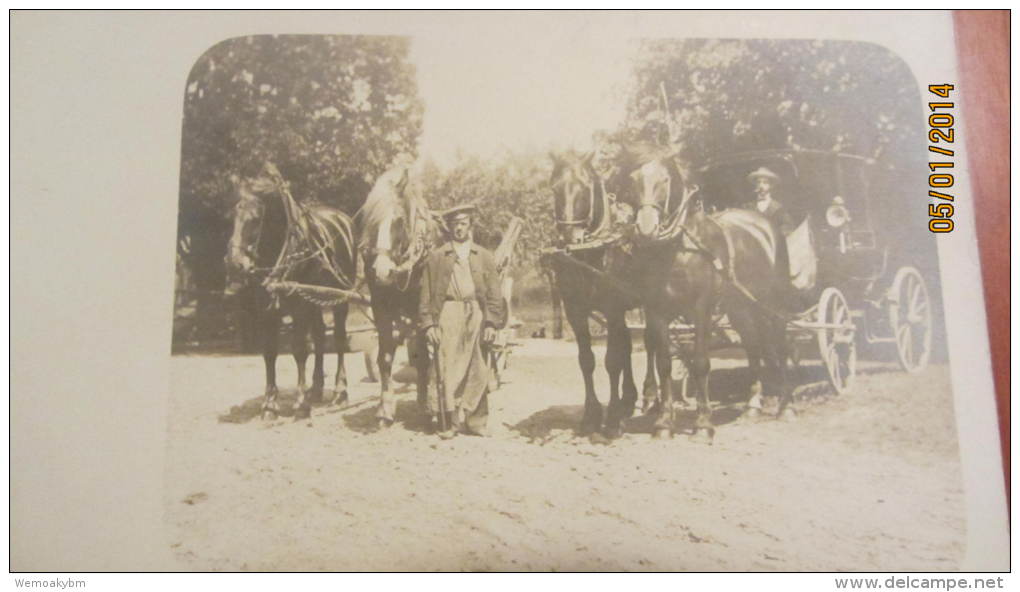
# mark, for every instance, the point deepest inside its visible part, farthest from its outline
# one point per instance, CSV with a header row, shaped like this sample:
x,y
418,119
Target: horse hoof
x,y
662,433
269,415
383,424
788,414
587,428
303,411
613,432
315,395
702,436
340,398
751,413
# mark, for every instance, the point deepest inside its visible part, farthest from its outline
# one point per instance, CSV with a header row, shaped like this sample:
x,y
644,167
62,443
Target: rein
x,y
725,271
676,230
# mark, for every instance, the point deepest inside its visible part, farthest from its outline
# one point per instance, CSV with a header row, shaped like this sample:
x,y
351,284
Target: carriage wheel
x,y
910,319
836,339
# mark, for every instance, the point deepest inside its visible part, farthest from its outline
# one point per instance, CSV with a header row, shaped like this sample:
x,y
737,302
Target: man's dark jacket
x,y
435,284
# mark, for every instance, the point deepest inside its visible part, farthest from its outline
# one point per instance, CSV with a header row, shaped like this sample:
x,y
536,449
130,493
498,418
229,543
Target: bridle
x,y
414,253
672,224
589,221
251,249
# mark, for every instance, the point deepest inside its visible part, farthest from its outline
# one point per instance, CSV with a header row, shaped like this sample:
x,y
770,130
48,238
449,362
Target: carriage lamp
x,y
837,214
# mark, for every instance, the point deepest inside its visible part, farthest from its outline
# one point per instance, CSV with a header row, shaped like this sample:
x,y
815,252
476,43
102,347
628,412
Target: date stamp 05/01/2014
x,y
940,179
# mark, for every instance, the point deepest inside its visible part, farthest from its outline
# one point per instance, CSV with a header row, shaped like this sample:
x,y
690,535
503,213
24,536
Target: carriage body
x,y
865,288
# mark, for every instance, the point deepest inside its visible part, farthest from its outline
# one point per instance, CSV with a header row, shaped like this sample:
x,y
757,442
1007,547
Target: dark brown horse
x,y
275,239
691,263
397,231
585,282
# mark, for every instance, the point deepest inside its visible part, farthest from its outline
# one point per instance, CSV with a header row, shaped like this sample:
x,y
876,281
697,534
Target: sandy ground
x,y
865,481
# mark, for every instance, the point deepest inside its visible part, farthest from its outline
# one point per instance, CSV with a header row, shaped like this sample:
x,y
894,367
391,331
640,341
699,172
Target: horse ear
x,y
585,172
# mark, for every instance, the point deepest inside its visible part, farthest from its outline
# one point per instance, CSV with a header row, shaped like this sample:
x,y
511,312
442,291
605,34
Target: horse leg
x,y
578,319
340,341
318,329
557,306
617,360
387,347
658,332
751,339
704,430
270,344
299,344
780,353
650,390
628,387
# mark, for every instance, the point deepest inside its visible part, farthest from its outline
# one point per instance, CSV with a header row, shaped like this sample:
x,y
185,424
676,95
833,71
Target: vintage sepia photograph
x,y
356,293
640,304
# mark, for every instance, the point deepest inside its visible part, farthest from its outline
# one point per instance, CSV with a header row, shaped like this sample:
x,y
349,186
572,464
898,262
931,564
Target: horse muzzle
x,y
573,234
647,221
384,270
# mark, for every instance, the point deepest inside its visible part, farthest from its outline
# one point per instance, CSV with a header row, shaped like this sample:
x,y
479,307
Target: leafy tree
x,y
515,184
330,111
729,96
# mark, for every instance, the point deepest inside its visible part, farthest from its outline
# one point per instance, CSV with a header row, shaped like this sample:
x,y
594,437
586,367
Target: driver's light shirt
x,y
462,285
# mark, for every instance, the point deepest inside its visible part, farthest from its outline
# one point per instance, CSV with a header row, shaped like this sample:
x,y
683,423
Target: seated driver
x,y
765,182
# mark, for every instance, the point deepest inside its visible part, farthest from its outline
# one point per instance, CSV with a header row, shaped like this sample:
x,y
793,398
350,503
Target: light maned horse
x,y
275,238
397,231
735,260
581,209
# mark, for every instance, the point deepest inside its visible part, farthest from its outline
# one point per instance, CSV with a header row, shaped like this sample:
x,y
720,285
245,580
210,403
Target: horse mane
x,y
386,200
637,153
572,162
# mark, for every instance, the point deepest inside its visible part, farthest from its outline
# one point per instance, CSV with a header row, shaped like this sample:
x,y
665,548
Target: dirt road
x,y
866,481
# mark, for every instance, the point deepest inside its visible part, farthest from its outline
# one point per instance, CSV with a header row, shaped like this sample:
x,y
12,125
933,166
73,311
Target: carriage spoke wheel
x,y
836,339
910,319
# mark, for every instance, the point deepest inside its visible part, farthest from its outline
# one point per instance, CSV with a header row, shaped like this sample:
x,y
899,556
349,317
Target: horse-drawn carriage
x,y
853,287
708,268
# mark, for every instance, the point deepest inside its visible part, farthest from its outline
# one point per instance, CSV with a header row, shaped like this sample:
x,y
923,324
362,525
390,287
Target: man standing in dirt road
x,y
458,310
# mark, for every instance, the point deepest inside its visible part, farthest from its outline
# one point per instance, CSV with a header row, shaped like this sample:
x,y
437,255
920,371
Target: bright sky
x,y
490,89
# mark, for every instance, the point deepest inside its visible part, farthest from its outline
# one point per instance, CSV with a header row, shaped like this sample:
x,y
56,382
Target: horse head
x,y
388,221
665,198
248,225
579,198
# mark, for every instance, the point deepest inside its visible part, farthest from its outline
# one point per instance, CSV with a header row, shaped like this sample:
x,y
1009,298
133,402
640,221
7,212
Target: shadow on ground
x,y
252,408
729,388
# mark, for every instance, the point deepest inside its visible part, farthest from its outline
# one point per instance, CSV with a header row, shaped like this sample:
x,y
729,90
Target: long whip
x,y
440,387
